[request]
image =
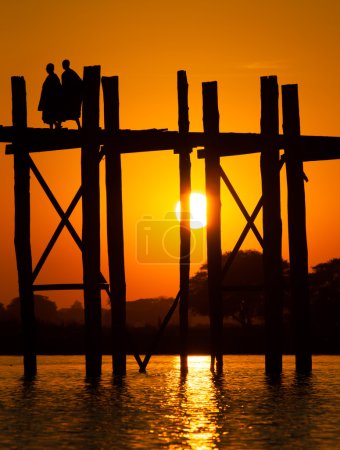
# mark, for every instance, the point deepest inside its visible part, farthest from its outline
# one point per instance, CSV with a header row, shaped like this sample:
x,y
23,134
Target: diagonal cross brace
x,y
250,222
239,203
242,237
250,225
57,233
160,332
64,217
65,222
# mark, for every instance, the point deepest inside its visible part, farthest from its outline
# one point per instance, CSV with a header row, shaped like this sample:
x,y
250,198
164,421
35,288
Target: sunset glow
x,y
198,210
169,234
145,44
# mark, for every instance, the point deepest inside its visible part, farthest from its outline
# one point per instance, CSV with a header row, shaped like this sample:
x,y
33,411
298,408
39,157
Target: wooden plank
x,y
42,139
317,148
91,220
313,148
298,250
115,233
185,232
272,228
22,238
214,253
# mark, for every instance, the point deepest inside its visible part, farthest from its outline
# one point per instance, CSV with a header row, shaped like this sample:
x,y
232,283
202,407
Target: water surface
x,y
242,409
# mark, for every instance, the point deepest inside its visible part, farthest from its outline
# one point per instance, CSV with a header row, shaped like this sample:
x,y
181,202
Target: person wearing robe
x,y
50,99
71,93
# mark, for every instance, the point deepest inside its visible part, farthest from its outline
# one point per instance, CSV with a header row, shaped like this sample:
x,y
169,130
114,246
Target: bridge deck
x,y
313,148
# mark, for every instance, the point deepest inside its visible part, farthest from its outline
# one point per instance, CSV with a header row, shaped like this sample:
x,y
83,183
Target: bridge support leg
x,y
22,229
115,236
298,250
212,177
185,190
272,227
91,220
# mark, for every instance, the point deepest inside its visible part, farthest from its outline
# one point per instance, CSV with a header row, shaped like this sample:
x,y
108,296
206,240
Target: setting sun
x,y
198,210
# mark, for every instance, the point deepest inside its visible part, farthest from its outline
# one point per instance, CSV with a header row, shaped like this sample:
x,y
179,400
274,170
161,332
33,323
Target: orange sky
x,y
145,43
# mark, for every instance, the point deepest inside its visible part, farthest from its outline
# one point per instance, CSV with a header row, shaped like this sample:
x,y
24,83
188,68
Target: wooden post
x,y
212,177
22,238
272,227
115,237
298,250
91,220
185,190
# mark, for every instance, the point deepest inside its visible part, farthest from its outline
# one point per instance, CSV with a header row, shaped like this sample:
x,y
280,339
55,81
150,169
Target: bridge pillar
x,y
272,227
298,250
185,233
91,220
212,177
115,234
22,238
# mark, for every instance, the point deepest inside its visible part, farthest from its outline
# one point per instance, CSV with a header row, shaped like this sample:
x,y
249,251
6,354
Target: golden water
x,y
242,409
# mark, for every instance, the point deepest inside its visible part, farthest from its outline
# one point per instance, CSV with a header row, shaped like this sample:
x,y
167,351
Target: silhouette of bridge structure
x,y
111,142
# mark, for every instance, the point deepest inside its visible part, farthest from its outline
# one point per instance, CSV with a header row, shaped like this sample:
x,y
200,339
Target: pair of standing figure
x,y
61,101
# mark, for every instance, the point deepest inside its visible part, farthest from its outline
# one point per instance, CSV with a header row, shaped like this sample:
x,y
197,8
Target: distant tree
x,y
325,298
149,311
2,311
242,305
327,273
45,309
74,314
13,309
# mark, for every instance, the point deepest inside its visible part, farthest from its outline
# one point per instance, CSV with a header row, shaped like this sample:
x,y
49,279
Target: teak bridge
x,y
111,141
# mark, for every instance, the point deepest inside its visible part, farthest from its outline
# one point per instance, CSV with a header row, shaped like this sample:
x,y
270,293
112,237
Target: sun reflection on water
x,y
239,409
196,407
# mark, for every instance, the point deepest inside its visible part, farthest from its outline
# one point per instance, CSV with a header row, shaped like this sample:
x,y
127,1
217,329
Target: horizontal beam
x,y
313,148
41,139
316,148
64,287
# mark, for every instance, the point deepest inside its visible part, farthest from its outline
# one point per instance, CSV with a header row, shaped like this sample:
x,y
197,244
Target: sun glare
x,y
198,210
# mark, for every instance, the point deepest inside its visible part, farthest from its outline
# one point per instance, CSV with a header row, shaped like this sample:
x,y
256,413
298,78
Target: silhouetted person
x,y
71,93
50,99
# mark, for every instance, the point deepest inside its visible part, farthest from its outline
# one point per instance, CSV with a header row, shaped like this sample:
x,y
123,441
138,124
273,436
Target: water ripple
x,y
164,409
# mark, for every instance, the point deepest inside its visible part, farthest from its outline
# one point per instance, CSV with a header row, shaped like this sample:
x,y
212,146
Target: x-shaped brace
x,y
65,222
249,218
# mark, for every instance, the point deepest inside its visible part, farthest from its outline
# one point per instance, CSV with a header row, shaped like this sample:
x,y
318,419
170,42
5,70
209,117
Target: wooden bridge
x,y
112,142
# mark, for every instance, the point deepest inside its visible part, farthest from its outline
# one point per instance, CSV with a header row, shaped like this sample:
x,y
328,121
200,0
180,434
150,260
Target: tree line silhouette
x,y
243,309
